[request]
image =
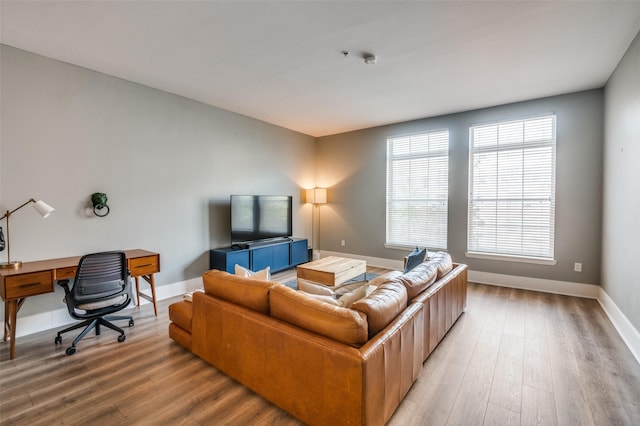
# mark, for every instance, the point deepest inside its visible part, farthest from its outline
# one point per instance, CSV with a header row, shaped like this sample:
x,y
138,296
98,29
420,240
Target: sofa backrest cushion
x,y
247,292
338,323
443,261
387,276
382,305
419,278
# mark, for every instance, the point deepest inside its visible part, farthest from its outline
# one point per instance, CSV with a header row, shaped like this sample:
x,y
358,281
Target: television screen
x,y
260,217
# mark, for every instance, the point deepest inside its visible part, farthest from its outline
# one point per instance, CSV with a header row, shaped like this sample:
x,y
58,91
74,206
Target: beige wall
x,y
168,165
621,218
353,167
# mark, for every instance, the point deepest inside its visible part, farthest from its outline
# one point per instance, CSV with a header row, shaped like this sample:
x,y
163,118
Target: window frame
x,y
389,181
523,147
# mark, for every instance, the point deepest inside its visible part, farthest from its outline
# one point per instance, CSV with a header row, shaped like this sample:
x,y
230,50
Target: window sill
x,y
409,248
505,258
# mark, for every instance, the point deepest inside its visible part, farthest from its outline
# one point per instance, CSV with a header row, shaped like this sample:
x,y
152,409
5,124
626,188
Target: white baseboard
x,y
177,289
626,330
566,288
60,317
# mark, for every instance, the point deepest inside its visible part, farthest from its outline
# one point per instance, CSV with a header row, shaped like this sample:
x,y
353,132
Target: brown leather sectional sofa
x,y
324,364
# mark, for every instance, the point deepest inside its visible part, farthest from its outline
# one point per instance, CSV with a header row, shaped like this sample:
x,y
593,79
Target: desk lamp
x,y
43,208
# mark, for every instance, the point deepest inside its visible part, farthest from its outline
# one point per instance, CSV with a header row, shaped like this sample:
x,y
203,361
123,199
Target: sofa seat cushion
x,y
338,323
248,292
382,305
343,295
180,314
419,278
443,262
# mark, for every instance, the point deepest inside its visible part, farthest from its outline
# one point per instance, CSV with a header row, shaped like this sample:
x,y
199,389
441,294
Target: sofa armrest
x,y
180,325
444,301
392,361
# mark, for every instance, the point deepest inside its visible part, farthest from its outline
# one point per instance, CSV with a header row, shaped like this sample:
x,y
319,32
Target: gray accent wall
x,y
353,168
621,216
168,165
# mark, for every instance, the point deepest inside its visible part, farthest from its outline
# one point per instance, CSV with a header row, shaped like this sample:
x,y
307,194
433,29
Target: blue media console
x,y
278,256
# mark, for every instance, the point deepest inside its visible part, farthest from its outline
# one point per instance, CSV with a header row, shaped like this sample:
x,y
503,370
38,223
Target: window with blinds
x,y
512,188
418,190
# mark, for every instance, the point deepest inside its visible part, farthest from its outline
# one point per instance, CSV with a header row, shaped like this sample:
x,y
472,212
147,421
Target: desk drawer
x,y
66,273
28,284
144,265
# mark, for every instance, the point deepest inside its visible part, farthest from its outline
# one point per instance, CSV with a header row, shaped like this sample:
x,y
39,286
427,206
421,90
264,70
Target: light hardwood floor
x,y
514,358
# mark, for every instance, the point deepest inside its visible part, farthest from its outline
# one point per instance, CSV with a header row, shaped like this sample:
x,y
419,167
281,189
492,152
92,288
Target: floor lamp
x,y
43,208
316,196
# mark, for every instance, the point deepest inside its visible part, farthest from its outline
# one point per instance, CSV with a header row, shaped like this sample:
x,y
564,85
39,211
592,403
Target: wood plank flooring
x,y
515,357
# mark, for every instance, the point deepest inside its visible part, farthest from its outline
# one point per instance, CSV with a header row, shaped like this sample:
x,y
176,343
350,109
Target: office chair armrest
x,y
64,284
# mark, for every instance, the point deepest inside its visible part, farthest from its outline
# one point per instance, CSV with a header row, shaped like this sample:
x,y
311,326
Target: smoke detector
x,y
370,59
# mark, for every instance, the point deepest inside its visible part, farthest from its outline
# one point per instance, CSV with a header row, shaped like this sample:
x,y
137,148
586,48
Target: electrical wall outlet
x,y
577,267
343,243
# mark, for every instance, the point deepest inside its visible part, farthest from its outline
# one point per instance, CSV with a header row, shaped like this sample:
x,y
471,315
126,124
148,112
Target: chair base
x,y
92,324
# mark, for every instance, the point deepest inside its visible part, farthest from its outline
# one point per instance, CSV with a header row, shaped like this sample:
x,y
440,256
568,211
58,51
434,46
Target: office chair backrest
x,y
100,275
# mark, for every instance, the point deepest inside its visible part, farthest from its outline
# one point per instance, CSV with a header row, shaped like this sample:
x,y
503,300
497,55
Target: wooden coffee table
x,y
332,270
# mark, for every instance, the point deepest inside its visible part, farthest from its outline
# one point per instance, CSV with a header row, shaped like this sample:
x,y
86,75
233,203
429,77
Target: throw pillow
x,y
323,298
314,288
263,274
348,299
415,258
349,287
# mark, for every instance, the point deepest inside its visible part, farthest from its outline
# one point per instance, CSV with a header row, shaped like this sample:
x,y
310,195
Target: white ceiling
x,y
281,61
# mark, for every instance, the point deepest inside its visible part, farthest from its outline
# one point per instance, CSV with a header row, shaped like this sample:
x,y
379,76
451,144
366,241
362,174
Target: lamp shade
x,y
317,195
43,208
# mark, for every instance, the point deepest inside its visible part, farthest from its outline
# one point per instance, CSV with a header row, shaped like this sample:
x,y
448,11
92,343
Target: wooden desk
x,y
34,278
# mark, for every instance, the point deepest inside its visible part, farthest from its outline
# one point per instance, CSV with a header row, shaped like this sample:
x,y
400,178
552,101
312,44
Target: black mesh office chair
x,y
101,287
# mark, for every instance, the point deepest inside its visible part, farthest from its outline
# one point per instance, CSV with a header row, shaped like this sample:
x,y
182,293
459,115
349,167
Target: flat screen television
x,y
260,217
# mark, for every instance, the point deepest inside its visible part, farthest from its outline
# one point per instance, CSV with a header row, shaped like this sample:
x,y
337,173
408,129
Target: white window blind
x,y
512,188
417,190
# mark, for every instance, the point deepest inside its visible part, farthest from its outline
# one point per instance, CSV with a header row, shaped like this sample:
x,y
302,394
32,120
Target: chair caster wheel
x,y
130,323
121,338
70,350
58,339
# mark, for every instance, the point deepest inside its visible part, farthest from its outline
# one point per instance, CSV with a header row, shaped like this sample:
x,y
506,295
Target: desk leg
x,y
152,283
6,321
138,290
148,278
10,314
